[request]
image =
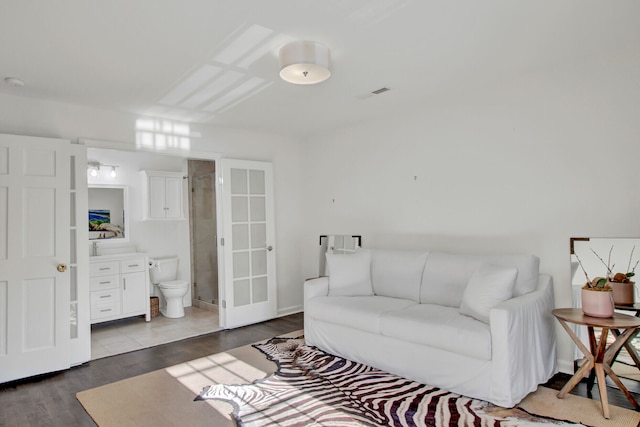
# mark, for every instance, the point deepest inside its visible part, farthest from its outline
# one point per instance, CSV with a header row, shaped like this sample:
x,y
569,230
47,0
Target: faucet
x,y
94,251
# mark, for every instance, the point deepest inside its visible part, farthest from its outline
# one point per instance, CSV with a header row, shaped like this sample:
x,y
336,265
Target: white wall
x,y
24,116
518,167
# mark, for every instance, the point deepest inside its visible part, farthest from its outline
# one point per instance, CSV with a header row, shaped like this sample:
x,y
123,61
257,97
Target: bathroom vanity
x,y
119,286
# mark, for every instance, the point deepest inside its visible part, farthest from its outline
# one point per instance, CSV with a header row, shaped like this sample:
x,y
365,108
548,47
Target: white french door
x,y
34,256
249,254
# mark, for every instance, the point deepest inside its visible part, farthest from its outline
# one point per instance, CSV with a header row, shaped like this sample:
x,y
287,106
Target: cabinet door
x,y
157,197
173,197
134,293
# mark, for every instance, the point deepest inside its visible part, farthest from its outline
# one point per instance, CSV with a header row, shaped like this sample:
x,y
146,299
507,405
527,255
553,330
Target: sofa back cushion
x,y
350,274
446,275
397,274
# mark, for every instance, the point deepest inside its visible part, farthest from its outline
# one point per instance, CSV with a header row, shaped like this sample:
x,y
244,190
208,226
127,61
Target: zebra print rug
x,y
312,387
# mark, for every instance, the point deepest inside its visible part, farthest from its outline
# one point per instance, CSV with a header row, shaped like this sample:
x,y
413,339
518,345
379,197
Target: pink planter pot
x,y
623,293
597,303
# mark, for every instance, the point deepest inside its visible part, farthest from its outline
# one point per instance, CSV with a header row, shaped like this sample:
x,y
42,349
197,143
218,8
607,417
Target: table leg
x,y
593,344
602,388
586,366
609,356
630,349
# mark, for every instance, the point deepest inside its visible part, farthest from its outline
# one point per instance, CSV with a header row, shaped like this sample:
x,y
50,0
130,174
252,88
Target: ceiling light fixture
x,y
304,62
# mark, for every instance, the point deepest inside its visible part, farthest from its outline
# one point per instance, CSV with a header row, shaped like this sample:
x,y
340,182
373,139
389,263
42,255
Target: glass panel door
x,y
249,252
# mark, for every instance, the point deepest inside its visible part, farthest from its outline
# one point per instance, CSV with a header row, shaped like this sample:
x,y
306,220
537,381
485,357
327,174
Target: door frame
x,y
194,154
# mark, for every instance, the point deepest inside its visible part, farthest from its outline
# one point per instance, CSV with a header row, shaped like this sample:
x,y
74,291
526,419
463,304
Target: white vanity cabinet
x,y
119,287
162,195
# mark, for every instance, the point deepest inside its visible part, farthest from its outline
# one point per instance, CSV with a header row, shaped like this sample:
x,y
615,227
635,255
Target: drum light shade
x,y
304,62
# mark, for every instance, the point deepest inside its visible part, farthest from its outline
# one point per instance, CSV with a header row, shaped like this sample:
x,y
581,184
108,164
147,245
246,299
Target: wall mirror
x,y
622,255
108,213
336,244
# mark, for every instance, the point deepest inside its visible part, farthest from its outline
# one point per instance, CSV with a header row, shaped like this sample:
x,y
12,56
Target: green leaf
x,y
601,283
631,274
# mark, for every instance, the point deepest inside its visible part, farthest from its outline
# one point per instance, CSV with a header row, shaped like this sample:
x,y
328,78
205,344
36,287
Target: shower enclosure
x,y
204,251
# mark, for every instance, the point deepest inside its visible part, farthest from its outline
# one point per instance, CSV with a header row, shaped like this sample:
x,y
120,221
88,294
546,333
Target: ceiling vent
x,y
381,90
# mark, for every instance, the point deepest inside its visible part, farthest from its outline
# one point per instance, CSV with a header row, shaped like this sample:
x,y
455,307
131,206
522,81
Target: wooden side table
x,y
599,357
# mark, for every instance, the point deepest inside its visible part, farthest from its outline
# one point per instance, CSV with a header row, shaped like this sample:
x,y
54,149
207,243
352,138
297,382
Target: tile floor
x,y
122,336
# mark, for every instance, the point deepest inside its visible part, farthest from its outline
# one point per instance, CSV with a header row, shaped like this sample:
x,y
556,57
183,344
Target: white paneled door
x,y
34,256
249,253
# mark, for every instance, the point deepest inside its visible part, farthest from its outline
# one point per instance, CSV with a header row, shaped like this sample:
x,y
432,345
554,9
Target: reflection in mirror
x,y
107,212
621,254
336,244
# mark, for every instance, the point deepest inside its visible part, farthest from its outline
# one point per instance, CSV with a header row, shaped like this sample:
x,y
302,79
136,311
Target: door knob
x,y
62,268
269,248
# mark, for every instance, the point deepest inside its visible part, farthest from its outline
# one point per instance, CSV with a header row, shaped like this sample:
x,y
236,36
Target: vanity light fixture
x,y
304,62
94,169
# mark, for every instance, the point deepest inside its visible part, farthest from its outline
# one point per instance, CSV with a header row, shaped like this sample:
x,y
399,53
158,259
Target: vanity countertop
x,y
109,257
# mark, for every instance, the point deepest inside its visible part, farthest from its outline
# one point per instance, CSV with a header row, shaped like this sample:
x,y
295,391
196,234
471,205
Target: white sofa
x,y
480,326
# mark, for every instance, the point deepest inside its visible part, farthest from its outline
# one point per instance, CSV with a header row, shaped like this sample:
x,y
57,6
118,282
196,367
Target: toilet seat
x,y
172,284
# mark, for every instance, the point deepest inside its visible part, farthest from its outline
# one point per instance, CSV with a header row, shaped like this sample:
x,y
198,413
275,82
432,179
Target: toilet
x,y
163,273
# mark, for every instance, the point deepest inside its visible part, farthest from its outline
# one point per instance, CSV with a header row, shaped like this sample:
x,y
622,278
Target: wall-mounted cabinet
x,y
162,195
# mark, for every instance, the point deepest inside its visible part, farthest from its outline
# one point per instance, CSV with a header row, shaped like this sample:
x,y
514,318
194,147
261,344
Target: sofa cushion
x,y
350,274
440,327
446,275
397,274
361,313
488,286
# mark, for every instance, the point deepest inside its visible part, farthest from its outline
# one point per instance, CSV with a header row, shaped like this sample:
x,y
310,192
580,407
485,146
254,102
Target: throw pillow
x,y
488,286
350,275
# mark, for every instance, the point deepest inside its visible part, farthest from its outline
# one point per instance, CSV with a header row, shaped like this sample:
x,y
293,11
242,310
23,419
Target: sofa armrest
x,y
523,342
316,287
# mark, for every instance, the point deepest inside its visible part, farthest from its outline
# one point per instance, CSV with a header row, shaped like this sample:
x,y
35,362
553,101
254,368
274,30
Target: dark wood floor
x,y
615,396
49,400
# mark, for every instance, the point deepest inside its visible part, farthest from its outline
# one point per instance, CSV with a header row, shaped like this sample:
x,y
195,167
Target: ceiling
x,y
215,61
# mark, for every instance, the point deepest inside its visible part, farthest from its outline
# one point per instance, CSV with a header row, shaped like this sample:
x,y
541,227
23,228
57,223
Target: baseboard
x,y
285,311
566,366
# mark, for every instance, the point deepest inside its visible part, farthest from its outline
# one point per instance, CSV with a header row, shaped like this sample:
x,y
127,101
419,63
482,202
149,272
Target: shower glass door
x,y
204,251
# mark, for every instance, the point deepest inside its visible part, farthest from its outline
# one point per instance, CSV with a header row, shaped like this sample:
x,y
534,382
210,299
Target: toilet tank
x,y
163,269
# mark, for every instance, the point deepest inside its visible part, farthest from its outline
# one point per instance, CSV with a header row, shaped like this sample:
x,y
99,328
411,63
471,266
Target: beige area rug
x,y
544,402
166,397
626,370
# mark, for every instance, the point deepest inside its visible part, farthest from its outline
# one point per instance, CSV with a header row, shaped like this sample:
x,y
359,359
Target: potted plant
x,y
623,287
597,295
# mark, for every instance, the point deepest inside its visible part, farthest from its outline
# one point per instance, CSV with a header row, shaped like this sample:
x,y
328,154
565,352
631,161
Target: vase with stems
x,y
600,295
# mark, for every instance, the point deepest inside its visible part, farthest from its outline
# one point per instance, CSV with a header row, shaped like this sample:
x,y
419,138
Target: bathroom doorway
x,y
204,250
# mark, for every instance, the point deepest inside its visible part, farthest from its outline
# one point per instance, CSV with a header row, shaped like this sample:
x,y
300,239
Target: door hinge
x,y
223,303
222,241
